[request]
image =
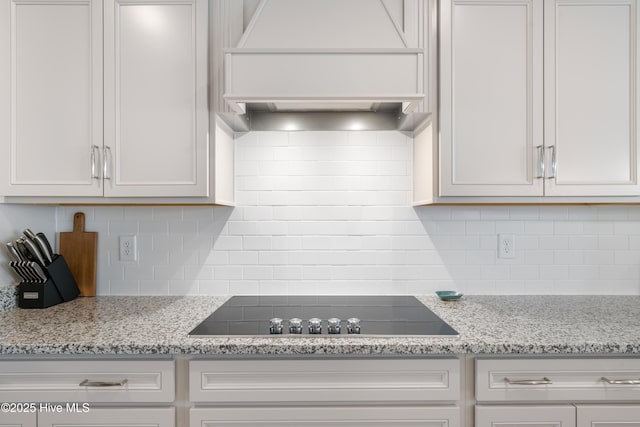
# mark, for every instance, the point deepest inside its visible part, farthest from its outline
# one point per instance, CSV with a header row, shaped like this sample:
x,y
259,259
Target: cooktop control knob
x,y
333,325
315,326
275,326
353,325
295,326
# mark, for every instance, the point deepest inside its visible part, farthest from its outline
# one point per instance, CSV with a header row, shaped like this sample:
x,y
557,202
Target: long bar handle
x,y
540,149
89,383
626,382
543,381
94,157
554,164
105,164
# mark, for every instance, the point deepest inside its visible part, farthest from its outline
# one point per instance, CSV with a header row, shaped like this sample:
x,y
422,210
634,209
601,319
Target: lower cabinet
x,y
326,416
326,392
558,416
87,393
557,392
531,416
17,419
608,415
111,417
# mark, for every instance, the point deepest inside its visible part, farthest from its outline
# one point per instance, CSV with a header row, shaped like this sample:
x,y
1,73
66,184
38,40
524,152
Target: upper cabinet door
x,y
591,93
50,97
156,119
491,114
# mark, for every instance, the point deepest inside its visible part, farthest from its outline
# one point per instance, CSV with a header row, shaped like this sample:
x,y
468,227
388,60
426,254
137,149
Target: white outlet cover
x,y
506,246
128,250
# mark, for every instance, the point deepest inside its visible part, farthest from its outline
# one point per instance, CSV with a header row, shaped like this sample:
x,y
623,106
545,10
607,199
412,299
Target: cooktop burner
x,y
338,315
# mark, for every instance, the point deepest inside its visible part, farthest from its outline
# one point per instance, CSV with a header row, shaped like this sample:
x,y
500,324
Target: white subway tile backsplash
x,y
154,287
598,257
553,242
213,287
583,242
330,213
554,272
627,257
183,287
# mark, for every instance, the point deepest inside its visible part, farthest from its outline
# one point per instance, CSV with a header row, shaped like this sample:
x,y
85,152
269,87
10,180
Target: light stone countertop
x,y
487,325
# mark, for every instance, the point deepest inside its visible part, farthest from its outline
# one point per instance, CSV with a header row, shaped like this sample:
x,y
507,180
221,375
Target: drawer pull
x,y
627,382
89,383
543,381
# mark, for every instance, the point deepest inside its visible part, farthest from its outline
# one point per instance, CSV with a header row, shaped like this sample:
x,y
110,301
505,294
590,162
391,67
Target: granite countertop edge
x,y
501,325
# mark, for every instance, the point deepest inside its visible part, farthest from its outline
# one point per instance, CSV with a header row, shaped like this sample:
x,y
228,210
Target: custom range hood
x,y
328,64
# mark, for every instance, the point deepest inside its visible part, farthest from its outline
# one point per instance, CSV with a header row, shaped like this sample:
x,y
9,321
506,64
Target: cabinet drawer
x,y
326,417
320,381
529,416
112,417
608,415
18,419
557,379
60,381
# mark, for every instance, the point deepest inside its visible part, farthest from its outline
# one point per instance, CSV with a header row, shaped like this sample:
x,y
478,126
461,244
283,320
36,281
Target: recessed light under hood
x,y
318,60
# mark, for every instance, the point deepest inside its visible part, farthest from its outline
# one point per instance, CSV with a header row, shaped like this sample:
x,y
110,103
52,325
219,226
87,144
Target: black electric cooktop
x,y
378,315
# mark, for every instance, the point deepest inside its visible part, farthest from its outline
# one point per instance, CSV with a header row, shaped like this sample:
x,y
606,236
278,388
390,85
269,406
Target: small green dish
x,y
449,295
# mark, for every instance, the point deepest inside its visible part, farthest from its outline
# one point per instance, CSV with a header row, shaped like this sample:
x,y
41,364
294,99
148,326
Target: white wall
x,y
13,220
329,213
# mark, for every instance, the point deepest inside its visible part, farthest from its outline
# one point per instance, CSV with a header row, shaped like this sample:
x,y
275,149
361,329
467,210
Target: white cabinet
x,y
338,416
142,131
89,392
544,392
327,392
591,97
491,97
50,96
530,416
503,134
87,381
18,419
120,417
156,119
608,415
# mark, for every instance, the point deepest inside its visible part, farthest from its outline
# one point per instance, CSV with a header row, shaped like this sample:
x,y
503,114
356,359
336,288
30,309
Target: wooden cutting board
x,y
80,250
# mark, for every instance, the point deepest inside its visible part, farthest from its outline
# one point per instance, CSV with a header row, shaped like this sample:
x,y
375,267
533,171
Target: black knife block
x,y
59,287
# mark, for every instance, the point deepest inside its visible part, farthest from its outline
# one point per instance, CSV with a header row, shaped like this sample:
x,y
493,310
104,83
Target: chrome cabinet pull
x,y
105,163
89,383
554,165
543,381
626,382
94,157
540,149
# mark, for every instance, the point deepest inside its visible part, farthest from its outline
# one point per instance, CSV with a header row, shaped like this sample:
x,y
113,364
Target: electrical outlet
x,y
506,246
128,249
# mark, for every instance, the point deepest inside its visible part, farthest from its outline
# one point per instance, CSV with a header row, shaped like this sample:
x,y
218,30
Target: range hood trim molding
x,y
238,102
376,76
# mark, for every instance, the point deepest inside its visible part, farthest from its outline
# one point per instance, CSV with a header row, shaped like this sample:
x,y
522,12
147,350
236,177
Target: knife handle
x,y
35,253
22,249
44,251
30,234
44,239
13,252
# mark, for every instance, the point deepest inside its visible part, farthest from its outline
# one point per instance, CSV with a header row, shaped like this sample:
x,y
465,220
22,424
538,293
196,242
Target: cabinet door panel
x,y
51,95
155,98
326,416
608,415
9,419
491,97
525,416
590,101
112,417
